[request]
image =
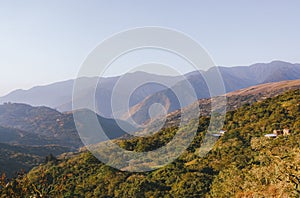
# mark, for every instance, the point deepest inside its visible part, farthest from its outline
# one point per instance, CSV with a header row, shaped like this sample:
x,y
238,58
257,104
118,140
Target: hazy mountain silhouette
x,y
234,78
59,95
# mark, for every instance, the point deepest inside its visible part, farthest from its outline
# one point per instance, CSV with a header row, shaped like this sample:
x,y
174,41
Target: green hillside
x,y
243,163
29,134
49,126
15,158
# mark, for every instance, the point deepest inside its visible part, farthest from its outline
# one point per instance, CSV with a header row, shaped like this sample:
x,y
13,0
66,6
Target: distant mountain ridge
x,y
59,95
235,78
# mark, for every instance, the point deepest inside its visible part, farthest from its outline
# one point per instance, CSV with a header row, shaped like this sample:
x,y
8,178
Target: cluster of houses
x,y
221,133
276,133
284,132
60,122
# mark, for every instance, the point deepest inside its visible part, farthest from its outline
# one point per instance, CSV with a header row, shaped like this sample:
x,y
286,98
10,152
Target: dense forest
x,y
243,162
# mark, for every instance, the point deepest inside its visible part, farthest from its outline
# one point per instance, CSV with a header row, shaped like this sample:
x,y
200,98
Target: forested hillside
x,y
29,134
24,157
243,163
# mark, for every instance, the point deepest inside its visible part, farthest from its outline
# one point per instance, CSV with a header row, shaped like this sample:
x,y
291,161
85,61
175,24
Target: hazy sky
x,y
46,41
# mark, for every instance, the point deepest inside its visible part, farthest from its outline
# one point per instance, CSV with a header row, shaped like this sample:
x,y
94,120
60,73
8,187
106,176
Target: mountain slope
x,y
50,125
261,167
18,137
48,95
29,134
59,95
235,99
23,157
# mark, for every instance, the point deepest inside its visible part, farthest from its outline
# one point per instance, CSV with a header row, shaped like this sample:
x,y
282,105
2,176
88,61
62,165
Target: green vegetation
x,y
28,134
51,126
243,163
21,157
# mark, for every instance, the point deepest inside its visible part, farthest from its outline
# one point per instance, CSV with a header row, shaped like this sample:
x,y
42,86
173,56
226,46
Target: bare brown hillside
x,y
239,98
268,88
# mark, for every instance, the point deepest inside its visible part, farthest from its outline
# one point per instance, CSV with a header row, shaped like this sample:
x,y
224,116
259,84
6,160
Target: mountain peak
x,y
279,62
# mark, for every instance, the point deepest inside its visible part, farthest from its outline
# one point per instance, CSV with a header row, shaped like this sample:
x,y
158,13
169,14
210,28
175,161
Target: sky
x,y
47,41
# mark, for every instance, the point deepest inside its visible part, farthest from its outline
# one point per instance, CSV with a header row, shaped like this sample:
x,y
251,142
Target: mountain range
x,y
235,78
59,95
158,88
28,134
37,122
